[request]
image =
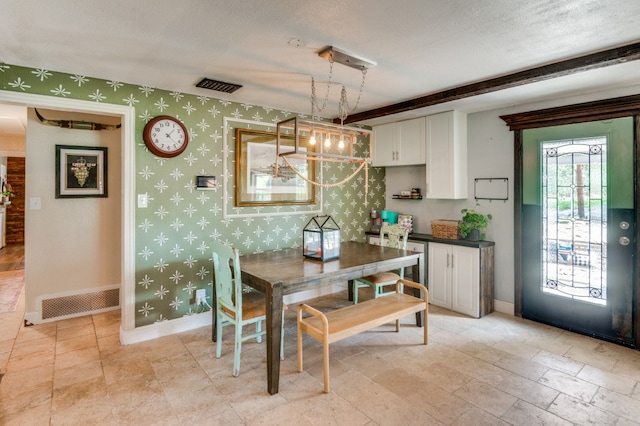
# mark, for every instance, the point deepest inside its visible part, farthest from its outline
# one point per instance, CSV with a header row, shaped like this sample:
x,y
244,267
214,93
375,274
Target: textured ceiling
x,y
420,46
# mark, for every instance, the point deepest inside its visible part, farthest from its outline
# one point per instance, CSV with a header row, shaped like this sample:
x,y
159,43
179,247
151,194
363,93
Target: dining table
x,y
277,273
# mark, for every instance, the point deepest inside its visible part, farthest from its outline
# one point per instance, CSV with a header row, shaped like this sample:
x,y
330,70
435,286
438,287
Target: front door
x,y
578,228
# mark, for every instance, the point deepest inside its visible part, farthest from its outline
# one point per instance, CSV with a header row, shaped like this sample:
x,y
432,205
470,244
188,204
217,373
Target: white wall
x,y
70,244
490,154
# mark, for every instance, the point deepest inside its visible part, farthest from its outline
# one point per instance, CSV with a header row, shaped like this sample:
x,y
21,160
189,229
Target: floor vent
x,y
219,86
80,303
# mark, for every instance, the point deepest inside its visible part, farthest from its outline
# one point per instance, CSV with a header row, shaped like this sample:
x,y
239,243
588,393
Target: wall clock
x,y
165,136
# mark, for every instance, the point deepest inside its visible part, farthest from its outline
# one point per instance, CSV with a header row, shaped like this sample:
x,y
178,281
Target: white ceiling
x,y
420,46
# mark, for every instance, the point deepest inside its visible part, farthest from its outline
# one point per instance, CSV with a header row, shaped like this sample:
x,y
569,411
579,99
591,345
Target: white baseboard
x,y
504,307
179,325
164,328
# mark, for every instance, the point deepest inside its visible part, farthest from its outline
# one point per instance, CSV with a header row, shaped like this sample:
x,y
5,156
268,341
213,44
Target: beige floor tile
x,y
616,382
558,362
597,357
569,385
32,360
523,413
77,374
491,399
15,399
26,380
529,391
81,393
477,417
81,356
38,415
76,330
76,343
613,402
581,412
523,367
26,347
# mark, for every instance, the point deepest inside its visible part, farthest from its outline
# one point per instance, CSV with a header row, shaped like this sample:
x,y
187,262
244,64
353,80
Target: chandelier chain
x,y
343,106
314,99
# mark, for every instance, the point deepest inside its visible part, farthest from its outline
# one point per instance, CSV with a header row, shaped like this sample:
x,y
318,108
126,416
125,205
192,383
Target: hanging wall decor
x,y
81,171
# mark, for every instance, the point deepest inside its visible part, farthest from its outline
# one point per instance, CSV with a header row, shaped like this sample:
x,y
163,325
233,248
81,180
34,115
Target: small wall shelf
x,y
401,197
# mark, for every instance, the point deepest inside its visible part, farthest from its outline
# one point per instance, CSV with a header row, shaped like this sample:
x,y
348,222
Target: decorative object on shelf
x,y
389,217
311,130
376,221
415,193
261,181
72,124
472,224
165,136
321,238
406,221
81,171
206,183
444,229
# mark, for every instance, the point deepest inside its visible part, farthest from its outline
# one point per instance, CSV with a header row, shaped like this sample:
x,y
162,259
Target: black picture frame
x,y
206,182
81,171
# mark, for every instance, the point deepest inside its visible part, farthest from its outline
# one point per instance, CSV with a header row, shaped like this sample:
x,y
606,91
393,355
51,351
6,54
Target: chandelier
x,y
313,138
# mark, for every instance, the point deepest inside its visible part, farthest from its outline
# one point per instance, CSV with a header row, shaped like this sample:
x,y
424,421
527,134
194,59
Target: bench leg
x,y
299,344
426,325
325,350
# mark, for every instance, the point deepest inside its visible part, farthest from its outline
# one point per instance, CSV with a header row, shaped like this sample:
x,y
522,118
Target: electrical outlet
x,y
201,296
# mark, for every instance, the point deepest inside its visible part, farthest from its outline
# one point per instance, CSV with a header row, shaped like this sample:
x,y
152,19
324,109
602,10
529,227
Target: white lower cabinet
x,y
454,277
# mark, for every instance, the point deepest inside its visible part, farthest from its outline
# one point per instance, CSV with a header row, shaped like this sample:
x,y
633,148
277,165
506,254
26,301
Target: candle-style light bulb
x,y
312,139
327,141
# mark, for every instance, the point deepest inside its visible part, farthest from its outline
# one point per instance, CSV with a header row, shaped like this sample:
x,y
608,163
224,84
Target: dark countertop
x,y
428,238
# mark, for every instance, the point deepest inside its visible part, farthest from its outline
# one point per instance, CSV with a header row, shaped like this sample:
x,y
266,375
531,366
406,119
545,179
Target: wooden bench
x,y
351,320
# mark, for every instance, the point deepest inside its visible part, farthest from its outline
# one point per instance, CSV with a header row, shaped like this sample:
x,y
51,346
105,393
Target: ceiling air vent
x,y
220,86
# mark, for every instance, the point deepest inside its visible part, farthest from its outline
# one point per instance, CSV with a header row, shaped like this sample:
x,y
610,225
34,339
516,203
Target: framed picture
x,y
81,171
258,184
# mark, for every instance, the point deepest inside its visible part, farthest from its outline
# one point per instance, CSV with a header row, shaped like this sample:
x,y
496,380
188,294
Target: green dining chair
x,y
396,237
237,304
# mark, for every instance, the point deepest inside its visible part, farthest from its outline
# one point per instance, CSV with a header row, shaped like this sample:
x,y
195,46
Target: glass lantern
x,y
321,238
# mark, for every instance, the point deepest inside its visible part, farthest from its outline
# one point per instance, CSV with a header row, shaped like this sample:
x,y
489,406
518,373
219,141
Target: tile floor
x,y
497,370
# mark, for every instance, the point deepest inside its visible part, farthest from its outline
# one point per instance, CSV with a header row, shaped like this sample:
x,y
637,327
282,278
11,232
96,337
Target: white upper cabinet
x,y
399,144
446,155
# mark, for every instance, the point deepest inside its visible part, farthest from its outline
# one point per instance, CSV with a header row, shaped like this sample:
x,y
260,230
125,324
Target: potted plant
x,y
472,224
6,195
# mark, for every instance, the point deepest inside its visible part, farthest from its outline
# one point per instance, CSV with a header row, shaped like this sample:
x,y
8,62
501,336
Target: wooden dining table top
x,y
295,272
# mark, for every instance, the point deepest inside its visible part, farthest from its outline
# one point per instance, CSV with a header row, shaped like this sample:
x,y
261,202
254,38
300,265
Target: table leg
x,y
350,287
274,333
418,271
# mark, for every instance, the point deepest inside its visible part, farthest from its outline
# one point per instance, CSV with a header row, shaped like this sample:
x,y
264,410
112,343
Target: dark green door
x,y
578,228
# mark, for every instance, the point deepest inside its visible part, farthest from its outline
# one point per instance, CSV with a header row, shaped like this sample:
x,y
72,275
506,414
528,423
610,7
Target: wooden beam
x,y
605,109
592,61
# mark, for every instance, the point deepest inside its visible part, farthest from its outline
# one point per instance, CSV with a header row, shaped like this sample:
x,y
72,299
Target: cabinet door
x,y
384,145
465,280
439,276
411,144
446,155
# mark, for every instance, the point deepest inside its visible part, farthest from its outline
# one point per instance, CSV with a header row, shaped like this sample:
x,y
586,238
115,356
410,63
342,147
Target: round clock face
x,y
165,136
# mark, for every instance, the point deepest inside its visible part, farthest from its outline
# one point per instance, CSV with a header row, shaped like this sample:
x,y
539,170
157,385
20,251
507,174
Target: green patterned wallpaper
x,y
173,234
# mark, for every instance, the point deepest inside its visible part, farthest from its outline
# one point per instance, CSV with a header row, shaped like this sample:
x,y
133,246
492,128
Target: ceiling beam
x,y
618,55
